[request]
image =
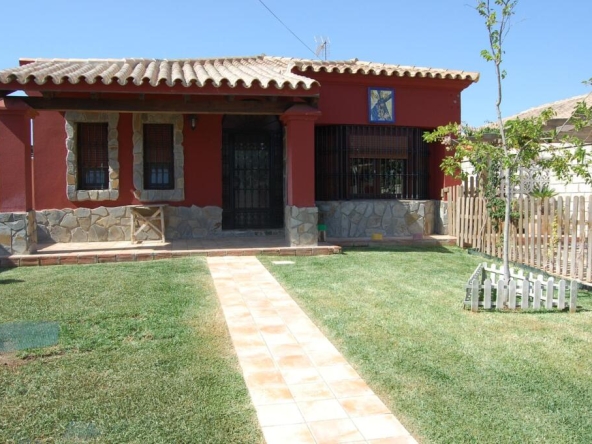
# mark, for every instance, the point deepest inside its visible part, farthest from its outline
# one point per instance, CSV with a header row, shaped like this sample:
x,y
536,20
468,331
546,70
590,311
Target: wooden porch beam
x,y
165,106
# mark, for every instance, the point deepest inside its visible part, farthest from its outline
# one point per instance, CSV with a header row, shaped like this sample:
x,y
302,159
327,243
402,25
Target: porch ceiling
x,y
259,107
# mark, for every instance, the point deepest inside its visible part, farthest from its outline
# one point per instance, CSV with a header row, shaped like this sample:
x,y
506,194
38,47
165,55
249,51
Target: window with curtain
x,y
92,155
370,162
158,156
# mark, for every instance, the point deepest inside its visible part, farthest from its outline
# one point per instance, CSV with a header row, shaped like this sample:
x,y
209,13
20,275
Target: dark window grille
x,y
252,180
370,162
159,157
92,154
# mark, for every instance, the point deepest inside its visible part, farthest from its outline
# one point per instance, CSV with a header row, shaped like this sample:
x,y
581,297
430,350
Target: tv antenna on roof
x,y
322,46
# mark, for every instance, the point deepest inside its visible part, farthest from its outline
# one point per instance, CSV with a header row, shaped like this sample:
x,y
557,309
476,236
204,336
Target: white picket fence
x,y
486,289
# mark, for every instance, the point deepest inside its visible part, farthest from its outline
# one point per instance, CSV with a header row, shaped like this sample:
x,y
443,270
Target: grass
x,y
143,356
450,376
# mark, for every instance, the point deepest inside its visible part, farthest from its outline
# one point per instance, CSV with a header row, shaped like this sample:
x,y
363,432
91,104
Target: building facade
x,y
227,145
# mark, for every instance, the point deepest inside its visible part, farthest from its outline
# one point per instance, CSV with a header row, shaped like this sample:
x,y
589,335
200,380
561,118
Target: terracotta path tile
x,y
311,391
303,389
363,406
380,426
335,431
321,410
279,414
288,434
338,372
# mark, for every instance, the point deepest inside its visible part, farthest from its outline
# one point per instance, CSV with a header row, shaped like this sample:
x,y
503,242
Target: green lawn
x,y
143,356
451,376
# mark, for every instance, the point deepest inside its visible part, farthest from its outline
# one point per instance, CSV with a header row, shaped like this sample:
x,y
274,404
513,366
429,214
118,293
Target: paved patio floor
x,y
70,253
303,389
124,251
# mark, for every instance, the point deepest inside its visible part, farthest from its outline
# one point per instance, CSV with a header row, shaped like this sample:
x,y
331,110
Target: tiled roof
x,y
244,71
563,108
355,66
279,72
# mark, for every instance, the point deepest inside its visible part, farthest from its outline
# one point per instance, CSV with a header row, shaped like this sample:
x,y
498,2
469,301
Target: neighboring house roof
x,y
244,71
563,108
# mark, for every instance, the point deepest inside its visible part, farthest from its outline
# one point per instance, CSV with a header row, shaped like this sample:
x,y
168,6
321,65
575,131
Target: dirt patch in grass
x,y
11,360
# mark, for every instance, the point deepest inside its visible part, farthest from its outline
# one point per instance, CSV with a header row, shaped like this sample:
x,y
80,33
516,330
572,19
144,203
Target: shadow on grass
x,y
8,280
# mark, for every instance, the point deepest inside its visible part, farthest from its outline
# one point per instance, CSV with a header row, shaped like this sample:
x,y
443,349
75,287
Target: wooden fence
x,y
551,234
487,289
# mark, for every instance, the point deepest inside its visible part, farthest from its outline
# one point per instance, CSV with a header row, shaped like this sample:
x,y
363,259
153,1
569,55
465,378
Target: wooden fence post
x,y
475,295
525,294
536,302
550,291
573,297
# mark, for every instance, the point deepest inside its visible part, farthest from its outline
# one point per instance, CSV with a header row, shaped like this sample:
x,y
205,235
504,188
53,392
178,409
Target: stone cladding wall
x,y
363,218
301,225
109,224
18,233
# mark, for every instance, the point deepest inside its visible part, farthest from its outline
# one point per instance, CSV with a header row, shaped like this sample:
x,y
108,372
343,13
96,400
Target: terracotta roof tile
x,y
563,108
355,66
278,72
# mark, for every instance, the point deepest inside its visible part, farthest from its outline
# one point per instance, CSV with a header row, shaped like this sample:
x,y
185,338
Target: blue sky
x,y
547,51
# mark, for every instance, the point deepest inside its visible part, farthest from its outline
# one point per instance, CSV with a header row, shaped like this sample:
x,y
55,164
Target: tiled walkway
x,y
303,389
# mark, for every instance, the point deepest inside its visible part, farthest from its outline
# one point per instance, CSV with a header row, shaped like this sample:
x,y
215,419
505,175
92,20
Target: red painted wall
x,y
203,163
422,103
300,155
15,158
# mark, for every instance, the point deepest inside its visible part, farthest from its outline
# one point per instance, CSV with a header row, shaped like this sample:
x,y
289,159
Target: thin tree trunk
x,y
507,219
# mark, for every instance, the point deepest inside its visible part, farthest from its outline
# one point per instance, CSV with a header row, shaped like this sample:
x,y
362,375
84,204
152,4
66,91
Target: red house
x,y
228,144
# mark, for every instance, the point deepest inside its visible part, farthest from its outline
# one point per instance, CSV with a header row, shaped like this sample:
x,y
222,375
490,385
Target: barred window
x,y
370,162
158,157
92,156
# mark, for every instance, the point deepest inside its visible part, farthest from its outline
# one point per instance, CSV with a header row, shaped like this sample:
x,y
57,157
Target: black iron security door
x,y
252,175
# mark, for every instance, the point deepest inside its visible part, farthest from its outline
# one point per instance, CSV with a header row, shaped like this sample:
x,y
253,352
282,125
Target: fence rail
x,y
551,234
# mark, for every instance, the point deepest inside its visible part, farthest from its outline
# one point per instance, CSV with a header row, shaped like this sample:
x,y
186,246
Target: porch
x,y
73,253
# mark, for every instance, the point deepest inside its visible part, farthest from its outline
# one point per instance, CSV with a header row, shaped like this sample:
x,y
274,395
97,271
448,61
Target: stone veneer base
x,y
301,225
18,233
107,224
363,218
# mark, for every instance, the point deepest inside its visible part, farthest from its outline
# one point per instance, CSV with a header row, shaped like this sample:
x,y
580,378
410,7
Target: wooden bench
x,y
146,218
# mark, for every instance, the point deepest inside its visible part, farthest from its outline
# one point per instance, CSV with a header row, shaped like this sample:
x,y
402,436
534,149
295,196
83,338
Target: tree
x,y
498,152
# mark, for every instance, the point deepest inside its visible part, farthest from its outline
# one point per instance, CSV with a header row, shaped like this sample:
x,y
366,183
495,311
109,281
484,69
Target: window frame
x,y
73,191
159,151
394,160
158,195
90,153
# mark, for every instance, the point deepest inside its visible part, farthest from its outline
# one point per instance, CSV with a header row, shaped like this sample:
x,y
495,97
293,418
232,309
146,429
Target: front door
x,y
252,175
